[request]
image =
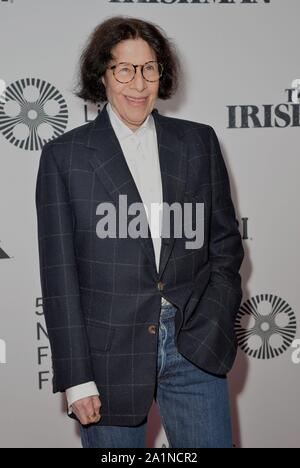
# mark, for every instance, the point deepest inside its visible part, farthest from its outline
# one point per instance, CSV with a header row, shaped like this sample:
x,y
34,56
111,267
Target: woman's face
x,y
133,114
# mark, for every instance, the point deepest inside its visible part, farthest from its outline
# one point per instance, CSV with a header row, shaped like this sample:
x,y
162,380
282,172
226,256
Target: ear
x,y
103,81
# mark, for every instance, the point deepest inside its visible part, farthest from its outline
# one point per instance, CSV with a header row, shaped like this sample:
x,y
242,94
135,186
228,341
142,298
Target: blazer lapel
x,y
173,166
113,172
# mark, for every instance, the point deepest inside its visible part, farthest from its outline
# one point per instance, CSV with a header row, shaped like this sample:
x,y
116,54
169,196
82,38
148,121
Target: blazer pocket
x,y
100,336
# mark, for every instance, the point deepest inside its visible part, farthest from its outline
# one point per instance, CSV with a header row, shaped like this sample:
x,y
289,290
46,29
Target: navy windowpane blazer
x,y
102,297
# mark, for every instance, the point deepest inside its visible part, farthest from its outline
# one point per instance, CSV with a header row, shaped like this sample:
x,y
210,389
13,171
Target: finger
x,y
87,407
96,404
81,417
84,421
96,401
95,420
88,417
85,412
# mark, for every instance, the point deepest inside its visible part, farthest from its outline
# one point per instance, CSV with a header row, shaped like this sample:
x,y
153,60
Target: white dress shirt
x,y
141,154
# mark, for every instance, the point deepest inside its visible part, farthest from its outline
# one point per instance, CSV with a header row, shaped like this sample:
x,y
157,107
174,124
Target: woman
x,y
131,318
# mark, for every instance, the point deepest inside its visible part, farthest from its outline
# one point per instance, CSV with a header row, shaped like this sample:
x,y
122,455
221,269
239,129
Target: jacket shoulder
x,y
184,126
62,147
75,135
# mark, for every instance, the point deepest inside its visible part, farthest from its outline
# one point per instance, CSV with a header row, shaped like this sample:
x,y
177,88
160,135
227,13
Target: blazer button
x,y
160,286
152,329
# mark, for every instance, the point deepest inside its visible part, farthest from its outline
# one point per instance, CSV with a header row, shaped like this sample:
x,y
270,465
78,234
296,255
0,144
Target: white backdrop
x,y
233,54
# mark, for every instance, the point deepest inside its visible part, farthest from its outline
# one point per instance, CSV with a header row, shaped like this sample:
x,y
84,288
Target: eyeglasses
x,y
125,72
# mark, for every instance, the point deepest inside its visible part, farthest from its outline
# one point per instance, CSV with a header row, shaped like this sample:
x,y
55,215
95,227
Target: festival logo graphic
x,y
32,112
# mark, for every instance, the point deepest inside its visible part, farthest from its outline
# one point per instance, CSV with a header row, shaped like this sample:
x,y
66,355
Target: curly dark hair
x,y
97,55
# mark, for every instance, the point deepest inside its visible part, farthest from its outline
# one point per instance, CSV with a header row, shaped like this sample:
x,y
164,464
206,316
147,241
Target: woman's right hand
x,y
87,410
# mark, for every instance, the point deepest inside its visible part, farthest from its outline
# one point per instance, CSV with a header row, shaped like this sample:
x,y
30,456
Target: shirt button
x,y
152,329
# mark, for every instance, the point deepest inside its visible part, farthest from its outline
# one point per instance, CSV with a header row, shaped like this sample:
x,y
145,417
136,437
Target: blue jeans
x,y
193,405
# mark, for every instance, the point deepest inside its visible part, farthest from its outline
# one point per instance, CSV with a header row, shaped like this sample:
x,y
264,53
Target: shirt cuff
x,y
78,392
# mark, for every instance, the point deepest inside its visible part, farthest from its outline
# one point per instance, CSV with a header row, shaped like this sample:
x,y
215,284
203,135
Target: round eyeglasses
x,y
125,72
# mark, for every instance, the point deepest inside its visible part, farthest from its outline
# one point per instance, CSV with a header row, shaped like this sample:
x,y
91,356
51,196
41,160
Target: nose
x,y
138,83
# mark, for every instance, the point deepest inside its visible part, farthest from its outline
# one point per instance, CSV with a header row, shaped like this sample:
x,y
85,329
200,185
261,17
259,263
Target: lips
x,y
135,100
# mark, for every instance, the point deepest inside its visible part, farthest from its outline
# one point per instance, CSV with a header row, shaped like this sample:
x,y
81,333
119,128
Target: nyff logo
x,y
43,349
266,327
32,112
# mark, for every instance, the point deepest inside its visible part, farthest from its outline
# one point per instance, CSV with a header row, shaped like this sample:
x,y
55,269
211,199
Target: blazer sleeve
x,y
226,251
223,296
212,341
59,279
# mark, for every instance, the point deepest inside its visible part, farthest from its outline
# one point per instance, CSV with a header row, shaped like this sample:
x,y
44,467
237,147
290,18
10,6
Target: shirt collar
x,y
122,130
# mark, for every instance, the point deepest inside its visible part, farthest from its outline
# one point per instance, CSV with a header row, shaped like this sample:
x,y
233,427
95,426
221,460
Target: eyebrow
x,y
152,60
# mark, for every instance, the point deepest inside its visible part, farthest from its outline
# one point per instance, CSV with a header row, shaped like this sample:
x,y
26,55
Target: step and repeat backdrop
x,y
241,75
